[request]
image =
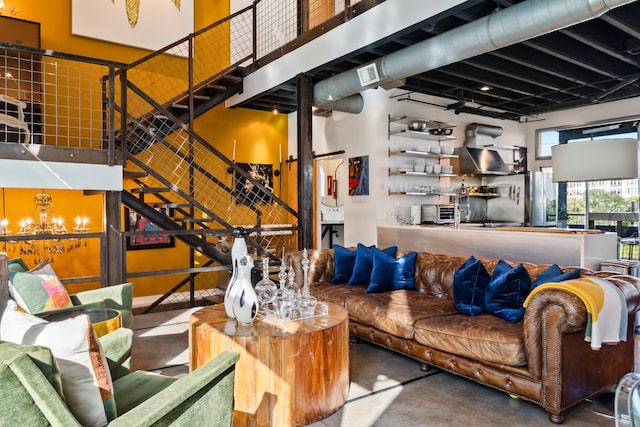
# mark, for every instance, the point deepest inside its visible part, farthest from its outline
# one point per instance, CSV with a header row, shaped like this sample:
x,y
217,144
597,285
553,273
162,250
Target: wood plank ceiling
x,y
589,63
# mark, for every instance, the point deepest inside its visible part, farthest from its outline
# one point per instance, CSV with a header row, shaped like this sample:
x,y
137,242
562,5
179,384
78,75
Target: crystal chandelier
x,y
45,223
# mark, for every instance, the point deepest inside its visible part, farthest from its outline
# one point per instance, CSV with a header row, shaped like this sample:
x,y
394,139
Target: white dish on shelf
x,y
435,149
446,149
446,169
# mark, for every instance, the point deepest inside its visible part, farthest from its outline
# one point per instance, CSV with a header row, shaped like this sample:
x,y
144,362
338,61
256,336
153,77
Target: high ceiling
x,y
590,63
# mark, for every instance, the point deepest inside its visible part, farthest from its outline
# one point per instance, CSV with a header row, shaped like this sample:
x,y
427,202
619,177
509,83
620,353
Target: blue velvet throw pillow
x,y
391,274
507,290
364,263
555,274
469,284
343,261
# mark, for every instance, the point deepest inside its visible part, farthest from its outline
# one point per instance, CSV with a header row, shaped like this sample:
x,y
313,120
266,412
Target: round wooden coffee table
x,y
289,373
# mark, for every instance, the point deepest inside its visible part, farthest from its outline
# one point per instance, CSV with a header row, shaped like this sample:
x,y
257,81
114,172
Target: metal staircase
x,y
181,182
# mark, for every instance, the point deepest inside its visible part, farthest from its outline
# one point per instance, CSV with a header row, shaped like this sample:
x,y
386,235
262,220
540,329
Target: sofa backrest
x,y
433,272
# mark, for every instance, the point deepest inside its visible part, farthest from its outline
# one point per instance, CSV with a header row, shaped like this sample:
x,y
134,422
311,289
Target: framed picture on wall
x,y
246,192
136,222
359,176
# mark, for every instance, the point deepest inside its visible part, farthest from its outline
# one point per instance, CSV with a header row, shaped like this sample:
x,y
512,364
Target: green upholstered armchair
x,y
119,297
31,392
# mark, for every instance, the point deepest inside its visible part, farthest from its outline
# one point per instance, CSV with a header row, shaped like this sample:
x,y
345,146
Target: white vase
x,y
238,250
245,304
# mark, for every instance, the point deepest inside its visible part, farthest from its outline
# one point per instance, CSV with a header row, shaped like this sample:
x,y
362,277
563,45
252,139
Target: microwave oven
x,y
437,214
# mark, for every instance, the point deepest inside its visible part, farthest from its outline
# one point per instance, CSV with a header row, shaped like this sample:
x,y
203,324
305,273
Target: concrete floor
x,y
387,389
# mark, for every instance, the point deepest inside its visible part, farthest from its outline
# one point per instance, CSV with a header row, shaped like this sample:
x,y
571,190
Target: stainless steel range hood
x,y
474,158
479,161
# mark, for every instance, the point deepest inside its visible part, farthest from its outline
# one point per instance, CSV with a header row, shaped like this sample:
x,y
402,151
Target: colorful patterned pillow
x,y
86,380
39,292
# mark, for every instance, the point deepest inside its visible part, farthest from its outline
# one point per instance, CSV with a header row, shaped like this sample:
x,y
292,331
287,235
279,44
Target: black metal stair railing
x,y
163,94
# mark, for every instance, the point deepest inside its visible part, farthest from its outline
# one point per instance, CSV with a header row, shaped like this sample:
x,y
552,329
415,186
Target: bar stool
x,y
628,243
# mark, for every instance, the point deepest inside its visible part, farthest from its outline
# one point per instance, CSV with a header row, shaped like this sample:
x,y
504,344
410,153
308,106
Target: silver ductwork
x,y
472,131
473,158
523,21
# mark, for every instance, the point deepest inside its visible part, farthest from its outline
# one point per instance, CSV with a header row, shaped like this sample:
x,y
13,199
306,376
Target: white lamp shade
x,y
595,160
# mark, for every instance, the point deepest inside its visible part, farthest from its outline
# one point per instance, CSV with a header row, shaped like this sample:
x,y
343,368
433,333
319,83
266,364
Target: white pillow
x,y
86,380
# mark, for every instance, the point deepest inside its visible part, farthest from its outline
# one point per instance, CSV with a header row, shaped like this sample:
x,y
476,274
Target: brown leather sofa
x,y
543,358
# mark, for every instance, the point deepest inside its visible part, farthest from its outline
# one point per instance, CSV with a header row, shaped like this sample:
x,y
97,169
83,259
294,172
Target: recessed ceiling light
x,y
485,88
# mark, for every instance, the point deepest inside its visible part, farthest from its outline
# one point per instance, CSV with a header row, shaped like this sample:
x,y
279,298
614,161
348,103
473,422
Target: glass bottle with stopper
x,y
265,288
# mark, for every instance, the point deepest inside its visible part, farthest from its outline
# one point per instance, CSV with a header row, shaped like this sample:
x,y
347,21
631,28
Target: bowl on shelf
x,y
434,149
445,149
417,125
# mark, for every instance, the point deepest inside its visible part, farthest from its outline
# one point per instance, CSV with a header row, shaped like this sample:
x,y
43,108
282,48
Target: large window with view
x,y
609,205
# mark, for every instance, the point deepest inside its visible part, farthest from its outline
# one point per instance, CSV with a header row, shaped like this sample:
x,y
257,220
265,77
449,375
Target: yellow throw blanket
x,y
606,308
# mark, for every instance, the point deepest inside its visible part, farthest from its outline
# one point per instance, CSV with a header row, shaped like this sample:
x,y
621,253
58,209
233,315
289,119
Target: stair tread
x,y
171,205
216,87
232,78
150,190
135,174
194,220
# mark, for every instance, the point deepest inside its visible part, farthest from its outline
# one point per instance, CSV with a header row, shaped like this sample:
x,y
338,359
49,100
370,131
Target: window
x,y
597,204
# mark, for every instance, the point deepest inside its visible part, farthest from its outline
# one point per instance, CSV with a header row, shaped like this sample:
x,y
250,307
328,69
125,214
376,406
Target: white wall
x,y
366,134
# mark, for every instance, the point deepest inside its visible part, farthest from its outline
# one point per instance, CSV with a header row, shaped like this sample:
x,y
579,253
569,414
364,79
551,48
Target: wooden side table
x,y
289,373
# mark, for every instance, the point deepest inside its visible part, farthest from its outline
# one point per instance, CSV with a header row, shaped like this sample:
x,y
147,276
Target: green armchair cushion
x,y
133,389
204,397
86,380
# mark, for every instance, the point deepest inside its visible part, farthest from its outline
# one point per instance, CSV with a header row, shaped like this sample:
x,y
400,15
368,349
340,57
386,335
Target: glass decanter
x,y
265,288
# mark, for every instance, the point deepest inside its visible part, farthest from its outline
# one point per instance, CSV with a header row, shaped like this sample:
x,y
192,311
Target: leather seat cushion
x,y
336,294
482,337
396,312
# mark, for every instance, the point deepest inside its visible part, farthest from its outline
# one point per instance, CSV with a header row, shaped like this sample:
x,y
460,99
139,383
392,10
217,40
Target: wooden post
x,y
305,162
112,263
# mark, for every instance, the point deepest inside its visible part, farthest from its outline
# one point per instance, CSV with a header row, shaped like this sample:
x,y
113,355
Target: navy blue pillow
x,y
555,274
469,284
548,275
507,290
343,261
391,274
364,264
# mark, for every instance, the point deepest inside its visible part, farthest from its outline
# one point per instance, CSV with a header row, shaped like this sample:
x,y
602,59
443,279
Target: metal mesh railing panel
x,y
279,23
61,100
165,77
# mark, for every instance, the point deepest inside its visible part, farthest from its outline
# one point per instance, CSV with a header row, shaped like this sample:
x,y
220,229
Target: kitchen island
x,y
567,248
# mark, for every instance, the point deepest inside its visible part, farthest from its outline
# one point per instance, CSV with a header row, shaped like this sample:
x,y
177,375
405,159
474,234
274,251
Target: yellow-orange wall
x,y
259,136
